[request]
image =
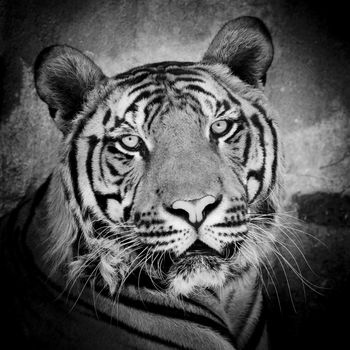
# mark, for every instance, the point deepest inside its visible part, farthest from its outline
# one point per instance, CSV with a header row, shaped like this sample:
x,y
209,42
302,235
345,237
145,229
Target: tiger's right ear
x,y
63,77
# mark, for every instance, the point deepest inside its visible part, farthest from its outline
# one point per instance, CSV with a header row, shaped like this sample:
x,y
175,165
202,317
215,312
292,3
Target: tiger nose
x,y
195,210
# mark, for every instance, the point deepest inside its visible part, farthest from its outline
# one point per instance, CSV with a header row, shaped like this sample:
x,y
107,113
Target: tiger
x,y
152,230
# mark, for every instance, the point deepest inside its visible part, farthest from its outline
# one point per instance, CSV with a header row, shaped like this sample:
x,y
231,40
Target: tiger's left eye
x,y
131,142
220,127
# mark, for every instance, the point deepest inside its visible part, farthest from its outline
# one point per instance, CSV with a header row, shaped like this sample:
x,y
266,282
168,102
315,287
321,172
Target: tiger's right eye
x,y
220,128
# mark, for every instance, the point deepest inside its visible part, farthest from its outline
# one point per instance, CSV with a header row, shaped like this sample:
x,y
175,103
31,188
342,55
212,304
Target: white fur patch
x,y
200,277
253,187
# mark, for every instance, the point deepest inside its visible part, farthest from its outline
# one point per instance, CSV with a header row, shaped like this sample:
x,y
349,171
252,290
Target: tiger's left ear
x,y
245,46
63,78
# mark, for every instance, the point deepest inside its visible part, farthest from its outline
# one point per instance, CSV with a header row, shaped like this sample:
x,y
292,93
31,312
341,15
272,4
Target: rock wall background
x,y
308,84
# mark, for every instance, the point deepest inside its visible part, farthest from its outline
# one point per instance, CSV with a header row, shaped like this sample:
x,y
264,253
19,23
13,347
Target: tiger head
x,y
163,167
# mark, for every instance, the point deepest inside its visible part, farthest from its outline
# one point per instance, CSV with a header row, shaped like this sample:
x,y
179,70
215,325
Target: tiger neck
x,y
236,301
237,306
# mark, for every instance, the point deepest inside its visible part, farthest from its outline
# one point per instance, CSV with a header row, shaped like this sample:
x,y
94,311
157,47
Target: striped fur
x,y
101,253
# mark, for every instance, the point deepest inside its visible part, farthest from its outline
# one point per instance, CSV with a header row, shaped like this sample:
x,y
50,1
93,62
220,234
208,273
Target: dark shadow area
x,y
10,84
331,18
28,27
308,307
318,323
330,209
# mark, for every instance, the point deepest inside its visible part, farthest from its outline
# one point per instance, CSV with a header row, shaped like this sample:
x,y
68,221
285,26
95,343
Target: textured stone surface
x,y
308,84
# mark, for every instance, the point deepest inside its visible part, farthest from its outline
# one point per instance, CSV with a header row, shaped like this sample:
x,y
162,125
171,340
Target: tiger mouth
x,y
198,253
198,248
198,258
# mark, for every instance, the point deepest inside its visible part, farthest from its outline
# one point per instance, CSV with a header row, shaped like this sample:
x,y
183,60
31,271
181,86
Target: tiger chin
x,y
165,194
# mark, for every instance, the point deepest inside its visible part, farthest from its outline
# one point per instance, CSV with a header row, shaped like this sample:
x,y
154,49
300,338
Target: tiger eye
x,y
130,141
220,127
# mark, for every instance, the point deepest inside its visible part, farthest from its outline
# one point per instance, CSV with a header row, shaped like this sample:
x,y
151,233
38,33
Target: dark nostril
x,y
210,207
178,212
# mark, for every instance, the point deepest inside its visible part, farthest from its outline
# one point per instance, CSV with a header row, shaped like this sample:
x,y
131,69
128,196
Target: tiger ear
x,y
245,46
63,77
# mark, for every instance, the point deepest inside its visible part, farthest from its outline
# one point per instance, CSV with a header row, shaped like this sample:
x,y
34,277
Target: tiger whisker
x,y
298,273
82,289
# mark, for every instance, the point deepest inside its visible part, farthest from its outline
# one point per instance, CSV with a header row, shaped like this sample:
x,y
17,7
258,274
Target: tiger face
x,y
162,166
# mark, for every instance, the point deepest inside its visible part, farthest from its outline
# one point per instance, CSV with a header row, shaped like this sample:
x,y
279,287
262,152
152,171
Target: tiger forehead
x,y
171,80
144,96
